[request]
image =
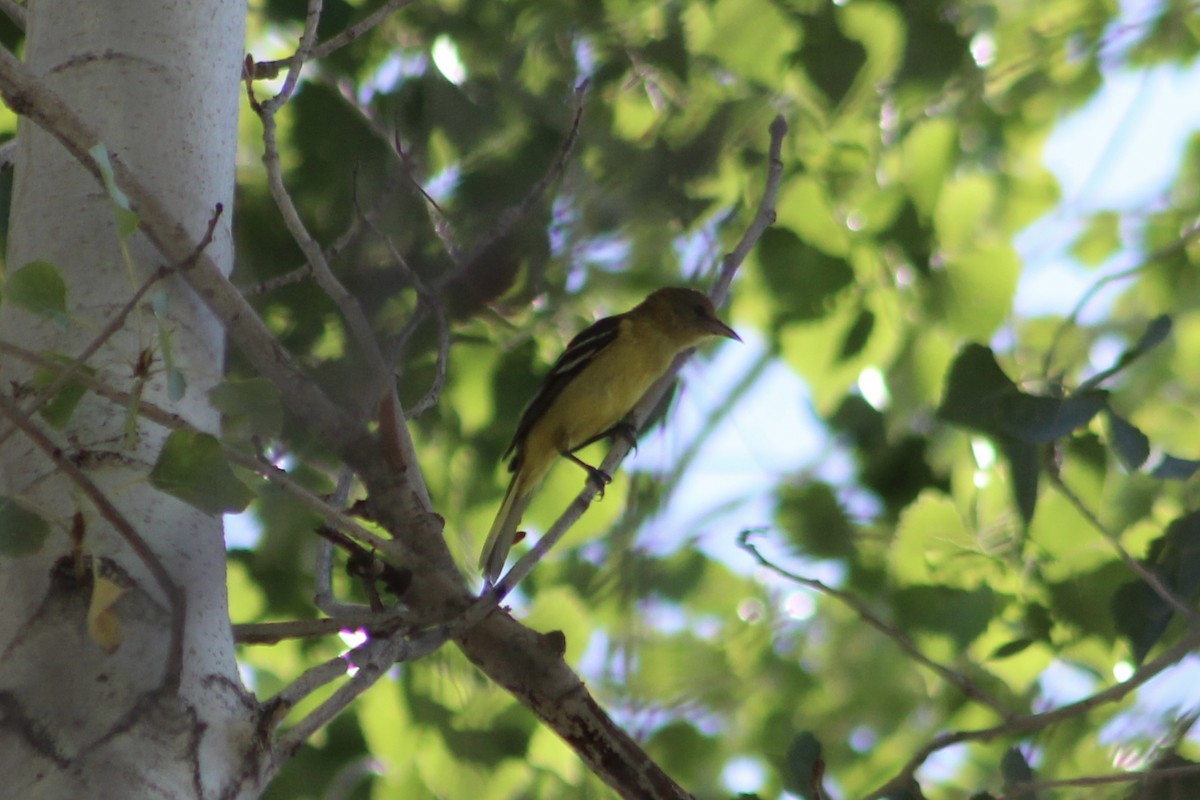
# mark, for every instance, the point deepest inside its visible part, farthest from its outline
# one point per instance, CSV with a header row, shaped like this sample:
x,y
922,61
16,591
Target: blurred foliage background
x,y
983,481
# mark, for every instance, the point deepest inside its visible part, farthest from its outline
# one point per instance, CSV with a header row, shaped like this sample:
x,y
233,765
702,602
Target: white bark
x,y
159,79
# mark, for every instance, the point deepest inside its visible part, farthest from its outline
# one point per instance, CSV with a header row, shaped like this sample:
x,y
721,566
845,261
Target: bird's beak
x,y
718,328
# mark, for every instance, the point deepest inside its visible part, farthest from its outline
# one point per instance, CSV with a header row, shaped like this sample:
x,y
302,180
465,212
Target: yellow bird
x,y
589,391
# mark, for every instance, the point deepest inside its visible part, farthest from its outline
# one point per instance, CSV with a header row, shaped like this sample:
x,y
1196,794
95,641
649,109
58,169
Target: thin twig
x,y
427,302
348,305
267,633
296,62
1073,318
1149,576
372,660
176,600
1141,777
763,218
323,569
271,69
1032,722
511,216
962,682
302,272
395,549
117,322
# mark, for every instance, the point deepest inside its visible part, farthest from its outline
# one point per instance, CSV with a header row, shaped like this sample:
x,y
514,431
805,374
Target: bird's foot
x,y
626,430
599,478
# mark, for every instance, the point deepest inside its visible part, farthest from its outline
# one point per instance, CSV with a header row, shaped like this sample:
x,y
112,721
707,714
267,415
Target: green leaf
x,y
973,294
38,287
1025,470
22,532
1012,648
1176,469
1041,420
250,403
1142,616
127,221
857,336
975,388
814,520
960,614
1016,771
1099,240
1158,330
57,411
192,467
805,280
802,764
1131,445
980,396
927,156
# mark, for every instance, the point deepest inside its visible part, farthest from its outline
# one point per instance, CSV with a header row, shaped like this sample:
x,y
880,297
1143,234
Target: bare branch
x,y
312,18
323,569
957,679
765,217
1148,576
271,69
1140,777
511,216
347,304
1072,318
274,632
372,661
1034,722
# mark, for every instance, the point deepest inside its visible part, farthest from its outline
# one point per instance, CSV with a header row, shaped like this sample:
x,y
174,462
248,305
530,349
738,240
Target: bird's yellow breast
x,y
601,394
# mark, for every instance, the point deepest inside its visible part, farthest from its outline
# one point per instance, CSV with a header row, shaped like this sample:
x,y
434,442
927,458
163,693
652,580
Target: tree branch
x,y
271,69
1026,723
957,679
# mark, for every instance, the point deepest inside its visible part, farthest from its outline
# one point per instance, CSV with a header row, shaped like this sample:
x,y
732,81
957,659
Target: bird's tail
x,y
504,529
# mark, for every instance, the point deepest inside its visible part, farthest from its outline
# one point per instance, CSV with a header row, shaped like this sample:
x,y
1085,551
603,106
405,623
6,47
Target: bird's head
x,y
688,315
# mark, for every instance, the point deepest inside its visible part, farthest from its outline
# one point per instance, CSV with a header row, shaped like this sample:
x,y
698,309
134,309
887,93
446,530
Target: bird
x,y
588,393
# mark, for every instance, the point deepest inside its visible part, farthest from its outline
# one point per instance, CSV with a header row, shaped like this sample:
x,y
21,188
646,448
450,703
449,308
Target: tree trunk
x,y
155,708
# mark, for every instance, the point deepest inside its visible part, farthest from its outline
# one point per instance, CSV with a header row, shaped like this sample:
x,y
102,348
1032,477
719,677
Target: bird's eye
x,y
700,310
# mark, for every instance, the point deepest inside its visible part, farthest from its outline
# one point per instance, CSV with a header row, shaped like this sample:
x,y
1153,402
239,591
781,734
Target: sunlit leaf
x,y
1099,240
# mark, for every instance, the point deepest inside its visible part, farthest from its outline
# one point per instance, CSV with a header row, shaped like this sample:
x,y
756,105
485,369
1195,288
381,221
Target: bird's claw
x,y
599,478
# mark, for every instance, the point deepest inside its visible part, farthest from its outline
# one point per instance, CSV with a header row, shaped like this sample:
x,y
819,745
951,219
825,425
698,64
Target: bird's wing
x,y
580,352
